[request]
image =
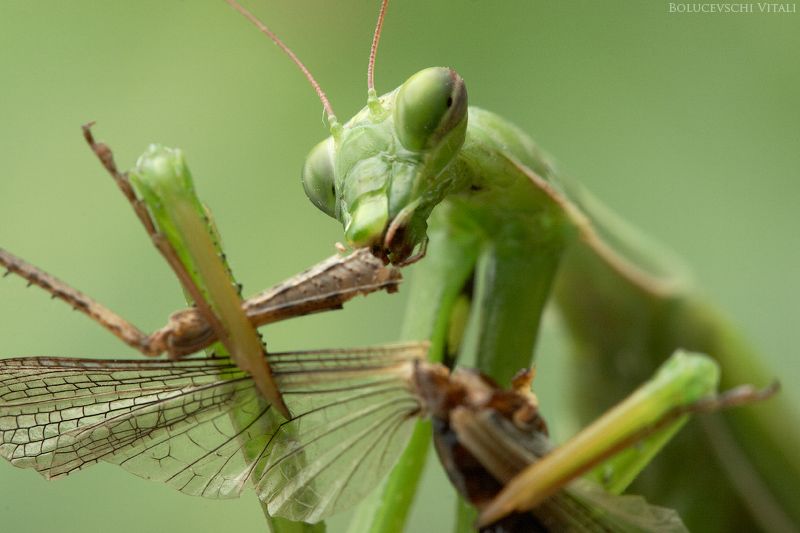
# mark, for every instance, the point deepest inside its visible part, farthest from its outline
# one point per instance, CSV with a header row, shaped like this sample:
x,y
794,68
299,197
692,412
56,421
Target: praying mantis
x,y
293,171
417,165
210,427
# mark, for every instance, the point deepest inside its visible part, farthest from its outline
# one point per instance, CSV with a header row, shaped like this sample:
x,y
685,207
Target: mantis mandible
x,y
475,83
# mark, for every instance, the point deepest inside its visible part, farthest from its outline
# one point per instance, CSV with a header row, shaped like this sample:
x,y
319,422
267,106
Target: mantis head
x,y
382,173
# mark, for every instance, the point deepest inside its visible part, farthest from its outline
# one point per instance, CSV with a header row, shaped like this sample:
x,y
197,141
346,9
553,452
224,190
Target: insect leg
x,y
625,324
686,383
513,287
151,345
435,291
106,157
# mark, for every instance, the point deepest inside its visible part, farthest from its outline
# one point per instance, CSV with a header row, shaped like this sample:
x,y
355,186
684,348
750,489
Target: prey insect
x,y
228,401
202,426
494,446
171,421
323,287
353,409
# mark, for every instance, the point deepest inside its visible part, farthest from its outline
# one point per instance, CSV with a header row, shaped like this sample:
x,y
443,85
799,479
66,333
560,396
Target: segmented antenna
x,y
269,33
374,50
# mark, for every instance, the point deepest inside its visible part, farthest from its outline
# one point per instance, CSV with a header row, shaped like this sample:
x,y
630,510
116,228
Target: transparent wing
x,y
158,419
345,436
200,425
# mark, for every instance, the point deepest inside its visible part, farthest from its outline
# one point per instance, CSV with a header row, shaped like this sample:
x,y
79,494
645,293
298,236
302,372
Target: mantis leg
x,y
163,181
149,345
154,344
504,293
685,383
160,240
166,188
439,283
513,289
441,279
628,304
615,319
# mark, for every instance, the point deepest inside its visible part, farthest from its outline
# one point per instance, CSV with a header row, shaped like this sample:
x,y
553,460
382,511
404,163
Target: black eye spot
x,y
449,101
333,190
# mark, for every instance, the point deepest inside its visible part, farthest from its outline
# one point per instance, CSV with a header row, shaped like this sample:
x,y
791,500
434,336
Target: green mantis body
x,y
502,224
113,103
207,428
418,168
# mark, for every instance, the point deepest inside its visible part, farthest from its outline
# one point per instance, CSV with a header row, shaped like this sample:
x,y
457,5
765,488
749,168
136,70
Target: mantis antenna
x,y
374,50
296,60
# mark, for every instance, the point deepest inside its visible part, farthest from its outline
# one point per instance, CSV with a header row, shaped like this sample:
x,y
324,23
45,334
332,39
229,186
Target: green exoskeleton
x,y
503,234
206,427
517,216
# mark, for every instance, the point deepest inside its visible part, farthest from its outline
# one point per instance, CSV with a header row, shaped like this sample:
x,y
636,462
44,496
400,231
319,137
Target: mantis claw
x,y
423,249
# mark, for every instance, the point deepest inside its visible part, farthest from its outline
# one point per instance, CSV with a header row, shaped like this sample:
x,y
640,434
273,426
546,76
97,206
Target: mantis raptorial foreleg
x,y
510,300
505,183
512,293
186,229
494,445
449,267
163,180
612,315
106,157
686,383
327,285
183,335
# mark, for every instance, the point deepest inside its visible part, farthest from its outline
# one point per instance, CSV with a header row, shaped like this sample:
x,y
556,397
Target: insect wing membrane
x,y
354,413
151,417
201,426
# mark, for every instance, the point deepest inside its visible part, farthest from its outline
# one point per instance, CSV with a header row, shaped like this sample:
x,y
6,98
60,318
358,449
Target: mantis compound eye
x,y
430,106
318,177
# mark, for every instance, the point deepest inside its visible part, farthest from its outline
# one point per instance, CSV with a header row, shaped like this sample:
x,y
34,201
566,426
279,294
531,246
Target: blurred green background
x,y
686,124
